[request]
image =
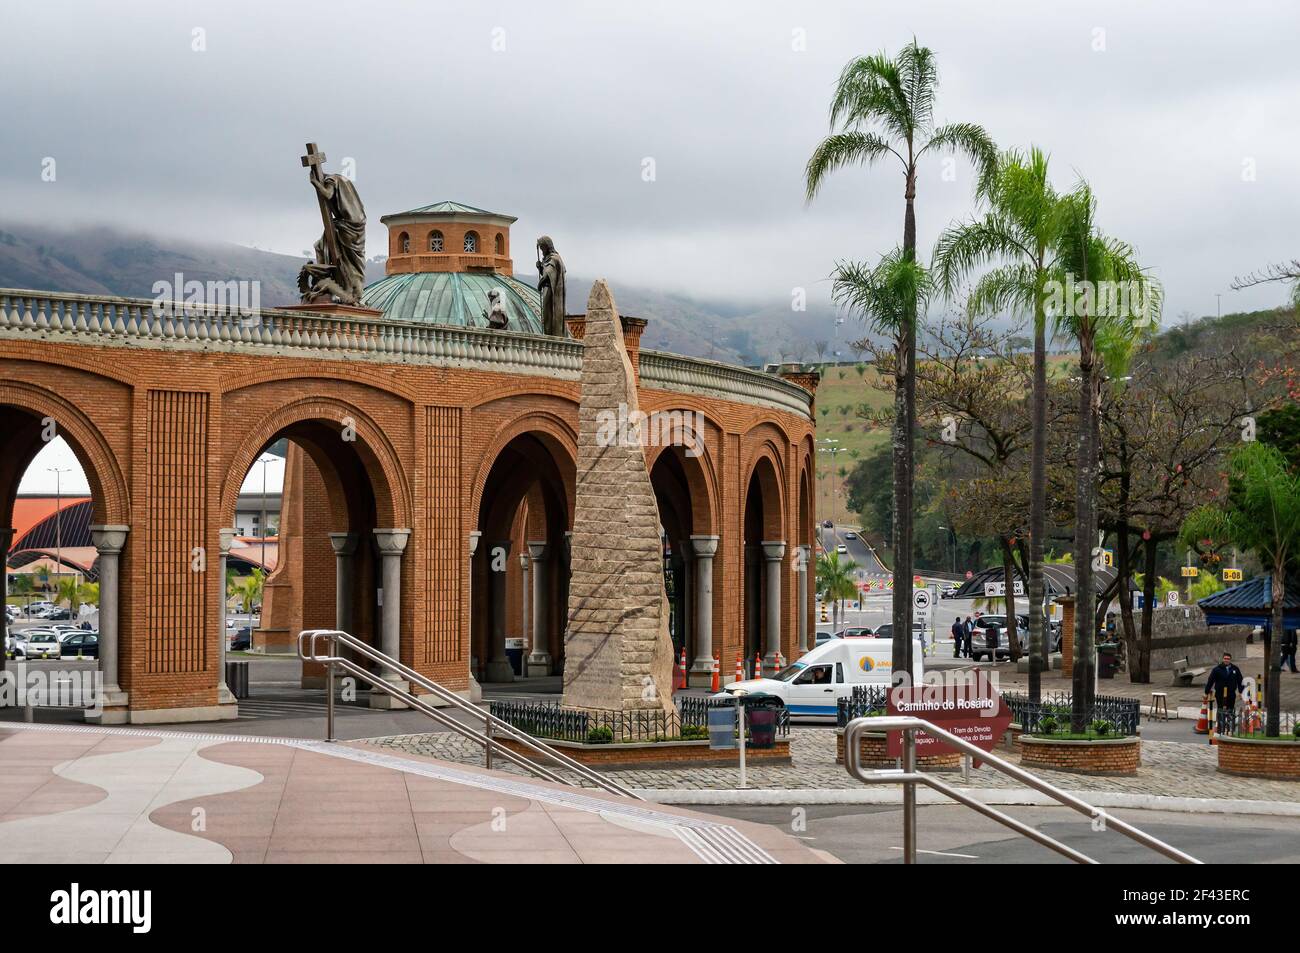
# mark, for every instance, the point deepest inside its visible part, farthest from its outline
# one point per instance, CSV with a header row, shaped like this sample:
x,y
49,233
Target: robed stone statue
x,y
339,270
550,282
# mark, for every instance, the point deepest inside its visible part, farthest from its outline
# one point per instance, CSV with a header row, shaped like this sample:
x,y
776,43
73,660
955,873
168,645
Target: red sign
x,y
972,711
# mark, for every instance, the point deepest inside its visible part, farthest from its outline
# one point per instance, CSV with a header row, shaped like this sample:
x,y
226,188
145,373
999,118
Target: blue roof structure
x,y
455,298
1251,603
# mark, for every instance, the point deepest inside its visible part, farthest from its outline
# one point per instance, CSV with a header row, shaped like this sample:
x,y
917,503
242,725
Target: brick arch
x,y
554,432
765,461
702,480
358,373
104,471
381,461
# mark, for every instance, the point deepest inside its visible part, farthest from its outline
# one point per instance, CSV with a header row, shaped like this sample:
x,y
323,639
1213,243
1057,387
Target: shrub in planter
x,y
602,735
1296,731
694,732
1046,725
1102,728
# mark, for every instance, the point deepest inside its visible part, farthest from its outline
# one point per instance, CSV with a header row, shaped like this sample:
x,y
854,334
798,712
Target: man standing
x,y
967,631
550,284
958,636
1288,649
1224,684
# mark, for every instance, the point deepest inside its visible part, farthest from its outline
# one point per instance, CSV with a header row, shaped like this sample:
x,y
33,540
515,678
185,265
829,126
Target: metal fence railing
x,y
1111,715
1251,722
550,721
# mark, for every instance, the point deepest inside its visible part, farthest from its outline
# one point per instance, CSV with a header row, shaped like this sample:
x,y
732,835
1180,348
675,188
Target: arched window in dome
x,y
404,243
501,244
435,241
471,243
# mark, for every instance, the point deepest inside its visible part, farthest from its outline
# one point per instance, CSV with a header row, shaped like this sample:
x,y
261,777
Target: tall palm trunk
x,y
1085,532
903,458
1039,644
1273,654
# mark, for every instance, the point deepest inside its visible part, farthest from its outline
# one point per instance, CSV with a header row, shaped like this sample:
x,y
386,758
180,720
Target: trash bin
x,y
237,678
762,711
1107,659
515,653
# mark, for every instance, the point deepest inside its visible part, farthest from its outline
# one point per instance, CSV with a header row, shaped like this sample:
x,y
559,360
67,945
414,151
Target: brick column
x,y
773,554
701,674
1067,634
539,656
525,604
392,543
475,690
226,536
498,666
109,540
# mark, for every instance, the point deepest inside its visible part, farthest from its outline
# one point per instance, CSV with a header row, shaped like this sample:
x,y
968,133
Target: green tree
x,y
249,589
1019,234
884,107
1262,515
1104,327
889,296
835,583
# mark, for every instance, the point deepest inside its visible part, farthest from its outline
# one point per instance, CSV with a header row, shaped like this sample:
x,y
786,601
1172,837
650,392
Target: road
x,y
872,834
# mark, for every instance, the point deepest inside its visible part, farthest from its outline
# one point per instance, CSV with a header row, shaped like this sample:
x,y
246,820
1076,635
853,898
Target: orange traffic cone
x,y
758,665
716,666
740,669
682,677
1203,721
780,662
1214,729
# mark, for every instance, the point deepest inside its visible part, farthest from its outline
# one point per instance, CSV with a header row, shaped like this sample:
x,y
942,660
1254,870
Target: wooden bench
x,y
1184,674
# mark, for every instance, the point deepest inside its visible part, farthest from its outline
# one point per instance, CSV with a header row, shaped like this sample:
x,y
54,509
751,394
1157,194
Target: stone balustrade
x,y
103,320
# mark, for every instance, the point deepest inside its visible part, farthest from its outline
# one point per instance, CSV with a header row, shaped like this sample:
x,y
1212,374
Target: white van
x,y
814,685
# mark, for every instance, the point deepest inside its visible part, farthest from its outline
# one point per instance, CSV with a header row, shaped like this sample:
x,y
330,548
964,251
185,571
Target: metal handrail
x,y
492,725
909,777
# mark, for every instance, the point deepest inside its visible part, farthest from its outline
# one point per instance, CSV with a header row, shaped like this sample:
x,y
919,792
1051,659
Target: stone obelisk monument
x,y
618,651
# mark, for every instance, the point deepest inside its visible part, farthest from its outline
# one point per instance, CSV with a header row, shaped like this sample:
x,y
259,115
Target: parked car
x,y
815,684
40,643
948,591
824,636
854,632
886,631
57,612
64,629
13,612
243,640
35,607
81,644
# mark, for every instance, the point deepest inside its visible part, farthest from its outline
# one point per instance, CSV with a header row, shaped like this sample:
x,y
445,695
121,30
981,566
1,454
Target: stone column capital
x,y
392,542
109,539
226,538
705,545
773,550
523,561
345,544
474,537
537,549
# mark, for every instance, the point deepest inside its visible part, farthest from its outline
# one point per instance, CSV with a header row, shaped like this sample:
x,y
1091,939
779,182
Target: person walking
x,y
1288,649
958,635
1224,685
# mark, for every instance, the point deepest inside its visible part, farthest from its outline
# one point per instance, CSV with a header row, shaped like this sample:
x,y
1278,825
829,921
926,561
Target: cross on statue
x,y
313,161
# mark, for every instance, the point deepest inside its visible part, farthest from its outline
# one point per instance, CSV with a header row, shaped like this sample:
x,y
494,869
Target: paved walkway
x,y
98,795
1169,768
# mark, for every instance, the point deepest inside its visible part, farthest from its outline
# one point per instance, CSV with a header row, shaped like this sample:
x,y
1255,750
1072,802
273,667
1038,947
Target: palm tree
x,y
67,593
885,107
889,297
23,588
1087,309
1019,231
1262,515
835,583
249,589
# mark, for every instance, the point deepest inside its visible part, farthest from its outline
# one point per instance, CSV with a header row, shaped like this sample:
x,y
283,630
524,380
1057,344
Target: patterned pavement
x,y
1169,768
103,795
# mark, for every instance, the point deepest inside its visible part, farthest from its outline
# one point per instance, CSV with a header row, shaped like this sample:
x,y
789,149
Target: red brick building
x,y
428,454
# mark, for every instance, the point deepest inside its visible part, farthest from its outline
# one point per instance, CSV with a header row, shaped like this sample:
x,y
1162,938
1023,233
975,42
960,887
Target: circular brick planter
x,y
1098,756
1260,758
655,754
875,754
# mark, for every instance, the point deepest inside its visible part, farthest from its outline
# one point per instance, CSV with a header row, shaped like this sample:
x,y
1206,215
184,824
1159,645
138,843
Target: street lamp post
x,y
263,460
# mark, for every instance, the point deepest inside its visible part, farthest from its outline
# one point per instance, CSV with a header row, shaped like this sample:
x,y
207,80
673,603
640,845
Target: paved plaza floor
x,y
96,795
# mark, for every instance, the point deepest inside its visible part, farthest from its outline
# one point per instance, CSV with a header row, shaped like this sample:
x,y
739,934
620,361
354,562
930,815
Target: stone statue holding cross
x,y
339,269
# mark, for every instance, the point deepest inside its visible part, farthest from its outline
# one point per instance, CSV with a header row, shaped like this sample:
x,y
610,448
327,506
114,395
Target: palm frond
x,y
971,140
840,150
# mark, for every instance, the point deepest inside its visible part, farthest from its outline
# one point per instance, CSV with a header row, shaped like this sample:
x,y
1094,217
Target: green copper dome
x,y
457,298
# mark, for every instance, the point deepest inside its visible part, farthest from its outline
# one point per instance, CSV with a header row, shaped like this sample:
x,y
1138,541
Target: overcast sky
x,y
1166,107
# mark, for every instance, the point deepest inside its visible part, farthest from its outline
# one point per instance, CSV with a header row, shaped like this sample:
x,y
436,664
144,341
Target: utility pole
x,y
264,460
58,530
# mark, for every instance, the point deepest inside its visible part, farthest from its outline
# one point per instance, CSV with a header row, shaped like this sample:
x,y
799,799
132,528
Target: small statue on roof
x,y
495,315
